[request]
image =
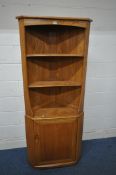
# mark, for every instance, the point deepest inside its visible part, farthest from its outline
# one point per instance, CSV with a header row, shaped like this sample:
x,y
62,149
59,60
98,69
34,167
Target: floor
x,y
98,158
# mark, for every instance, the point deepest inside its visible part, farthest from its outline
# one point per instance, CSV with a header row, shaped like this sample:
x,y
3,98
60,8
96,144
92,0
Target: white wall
x,y
100,96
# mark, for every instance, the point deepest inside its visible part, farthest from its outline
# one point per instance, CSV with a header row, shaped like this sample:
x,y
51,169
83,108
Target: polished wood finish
x,y
54,60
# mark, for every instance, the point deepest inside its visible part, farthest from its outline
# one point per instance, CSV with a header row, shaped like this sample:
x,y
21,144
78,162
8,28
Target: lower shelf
x,y
54,112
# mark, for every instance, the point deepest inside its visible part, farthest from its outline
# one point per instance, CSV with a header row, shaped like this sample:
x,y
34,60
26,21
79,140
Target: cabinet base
x,y
55,165
47,152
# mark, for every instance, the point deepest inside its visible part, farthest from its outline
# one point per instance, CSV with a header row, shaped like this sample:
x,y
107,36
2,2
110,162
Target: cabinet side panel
x,y
24,68
29,124
80,109
79,136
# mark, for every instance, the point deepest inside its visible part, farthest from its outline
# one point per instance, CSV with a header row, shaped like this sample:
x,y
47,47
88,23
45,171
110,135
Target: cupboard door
x,y
55,140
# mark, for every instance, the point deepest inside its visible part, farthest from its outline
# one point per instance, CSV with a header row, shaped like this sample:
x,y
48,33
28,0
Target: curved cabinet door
x,y
55,141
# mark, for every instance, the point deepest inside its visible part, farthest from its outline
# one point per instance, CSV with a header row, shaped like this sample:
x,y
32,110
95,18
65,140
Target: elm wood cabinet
x,y
54,58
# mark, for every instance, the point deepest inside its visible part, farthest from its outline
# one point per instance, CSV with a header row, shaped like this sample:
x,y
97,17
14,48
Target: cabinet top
x,y
54,17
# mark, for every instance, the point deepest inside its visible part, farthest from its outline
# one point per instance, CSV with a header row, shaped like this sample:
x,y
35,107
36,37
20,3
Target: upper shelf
x,y
53,55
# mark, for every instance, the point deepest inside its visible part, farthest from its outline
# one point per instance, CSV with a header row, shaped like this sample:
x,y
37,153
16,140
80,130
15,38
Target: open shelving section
x,y
54,52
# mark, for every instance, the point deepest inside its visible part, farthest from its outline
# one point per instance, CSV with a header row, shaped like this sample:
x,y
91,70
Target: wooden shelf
x,y
57,112
53,55
53,84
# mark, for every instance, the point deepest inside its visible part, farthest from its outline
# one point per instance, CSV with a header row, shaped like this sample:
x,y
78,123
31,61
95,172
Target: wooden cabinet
x,y
54,58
